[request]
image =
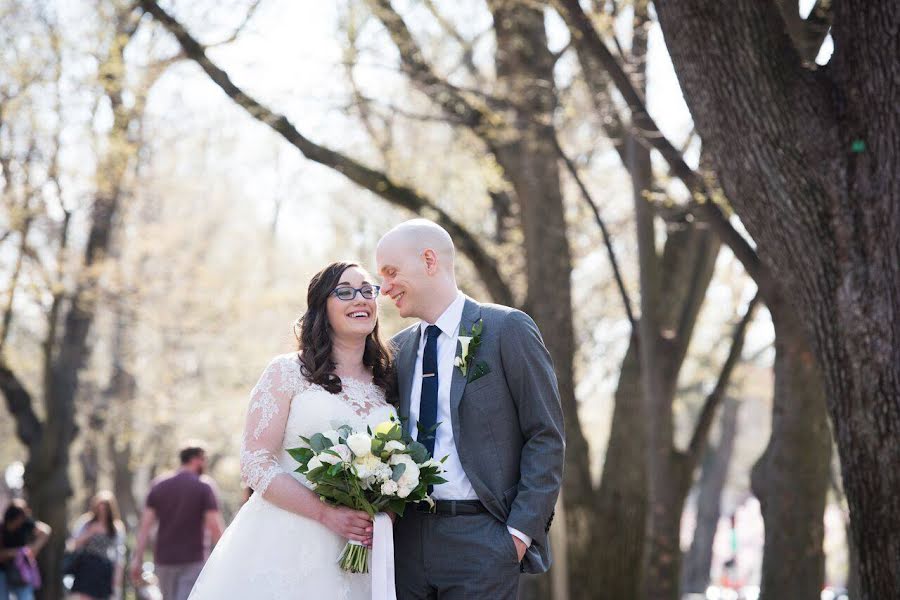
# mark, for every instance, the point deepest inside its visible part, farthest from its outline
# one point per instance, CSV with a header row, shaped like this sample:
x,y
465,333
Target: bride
x,y
284,543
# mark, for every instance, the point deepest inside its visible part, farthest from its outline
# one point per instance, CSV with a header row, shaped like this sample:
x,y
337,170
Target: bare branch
x,y
468,46
647,130
20,406
623,292
234,35
370,179
708,412
450,98
360,102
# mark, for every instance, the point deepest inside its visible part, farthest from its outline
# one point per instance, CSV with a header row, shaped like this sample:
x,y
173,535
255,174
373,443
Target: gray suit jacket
x,y
507,424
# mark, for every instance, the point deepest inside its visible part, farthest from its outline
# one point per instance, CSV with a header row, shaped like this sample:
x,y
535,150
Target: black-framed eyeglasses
x,y
347,293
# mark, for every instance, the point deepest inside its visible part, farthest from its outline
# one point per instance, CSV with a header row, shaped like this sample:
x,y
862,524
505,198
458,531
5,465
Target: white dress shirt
x,y
458,486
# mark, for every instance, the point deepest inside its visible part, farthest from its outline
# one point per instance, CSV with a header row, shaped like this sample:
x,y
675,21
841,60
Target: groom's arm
x,y
532,383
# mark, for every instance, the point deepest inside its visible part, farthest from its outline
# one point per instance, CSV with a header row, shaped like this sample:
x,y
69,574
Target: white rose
x,y
328,458
431,463
344,451
333,435
410,477
394,446
389,487
314,463
360,444
457,362
403,492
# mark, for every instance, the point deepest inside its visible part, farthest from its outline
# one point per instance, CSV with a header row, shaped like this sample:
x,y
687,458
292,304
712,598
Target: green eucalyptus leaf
x,y
418,452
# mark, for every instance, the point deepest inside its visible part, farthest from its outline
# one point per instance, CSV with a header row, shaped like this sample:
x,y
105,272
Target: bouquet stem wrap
x,y
355,558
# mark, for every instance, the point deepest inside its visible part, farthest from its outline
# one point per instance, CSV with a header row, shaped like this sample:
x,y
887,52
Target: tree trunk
x,y
816,187
46,477
610,567
698,560
529,160
120,394
89,459
791,477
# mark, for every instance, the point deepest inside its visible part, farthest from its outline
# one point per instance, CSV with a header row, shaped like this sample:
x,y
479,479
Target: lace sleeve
x,y
267,416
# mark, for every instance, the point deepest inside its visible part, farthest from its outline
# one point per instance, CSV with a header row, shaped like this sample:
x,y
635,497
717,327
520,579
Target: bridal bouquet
x,y
368,471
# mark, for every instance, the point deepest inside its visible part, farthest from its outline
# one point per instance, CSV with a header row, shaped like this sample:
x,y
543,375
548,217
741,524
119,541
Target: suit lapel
x,y
406,366
470,316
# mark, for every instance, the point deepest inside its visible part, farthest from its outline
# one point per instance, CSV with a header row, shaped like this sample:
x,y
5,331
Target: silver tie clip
x,y
427,374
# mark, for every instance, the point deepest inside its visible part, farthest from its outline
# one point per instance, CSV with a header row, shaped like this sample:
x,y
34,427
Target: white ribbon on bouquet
x,y
382,559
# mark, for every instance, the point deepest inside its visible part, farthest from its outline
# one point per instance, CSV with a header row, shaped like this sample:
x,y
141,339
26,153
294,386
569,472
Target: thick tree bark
x,y
611,565
791,477
714,473
816,187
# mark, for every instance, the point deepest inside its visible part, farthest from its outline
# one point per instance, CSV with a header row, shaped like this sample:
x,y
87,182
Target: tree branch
x,y
237,31
581,27
370,179
620,283
19,404
468,46
708,412
420,72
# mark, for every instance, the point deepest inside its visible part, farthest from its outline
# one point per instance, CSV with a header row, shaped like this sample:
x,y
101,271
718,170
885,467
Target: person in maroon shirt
x,y
185,508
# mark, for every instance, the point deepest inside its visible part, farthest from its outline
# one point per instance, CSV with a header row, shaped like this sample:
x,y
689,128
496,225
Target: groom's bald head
x,y
416,262
418,235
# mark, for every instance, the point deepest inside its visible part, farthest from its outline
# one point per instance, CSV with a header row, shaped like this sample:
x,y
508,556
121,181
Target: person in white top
x,y
476,385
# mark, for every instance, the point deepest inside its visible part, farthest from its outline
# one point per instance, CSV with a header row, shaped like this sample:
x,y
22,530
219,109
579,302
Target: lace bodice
x,y
284,405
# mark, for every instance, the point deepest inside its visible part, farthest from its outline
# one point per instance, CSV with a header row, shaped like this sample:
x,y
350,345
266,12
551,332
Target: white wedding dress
x,y
268,553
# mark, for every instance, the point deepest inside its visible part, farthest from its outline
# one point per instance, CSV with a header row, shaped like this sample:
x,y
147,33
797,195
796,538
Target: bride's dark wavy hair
x,y
315,344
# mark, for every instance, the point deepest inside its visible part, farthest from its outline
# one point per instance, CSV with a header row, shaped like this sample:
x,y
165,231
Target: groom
x,y
495,405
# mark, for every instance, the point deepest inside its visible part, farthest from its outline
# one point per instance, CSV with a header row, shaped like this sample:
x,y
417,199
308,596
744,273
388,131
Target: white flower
x,y
457,362
383,472
368,467
360,444
404,492
394,446
410,477
333,435
314,463
431,463
344,451
328,458
389,487
464,341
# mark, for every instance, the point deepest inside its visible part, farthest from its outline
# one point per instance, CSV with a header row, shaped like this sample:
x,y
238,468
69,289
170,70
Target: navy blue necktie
x,y
428,400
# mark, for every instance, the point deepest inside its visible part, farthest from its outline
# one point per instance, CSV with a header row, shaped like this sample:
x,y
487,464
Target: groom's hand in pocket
x,y
354,525
521,548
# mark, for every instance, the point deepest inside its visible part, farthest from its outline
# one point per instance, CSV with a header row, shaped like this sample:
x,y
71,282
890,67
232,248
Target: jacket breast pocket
x,y
481,383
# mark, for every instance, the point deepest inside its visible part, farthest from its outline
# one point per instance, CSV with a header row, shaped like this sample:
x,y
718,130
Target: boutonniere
x,y
469,341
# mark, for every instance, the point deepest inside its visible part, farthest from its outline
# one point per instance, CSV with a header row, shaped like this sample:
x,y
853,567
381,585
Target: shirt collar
x,y
449,321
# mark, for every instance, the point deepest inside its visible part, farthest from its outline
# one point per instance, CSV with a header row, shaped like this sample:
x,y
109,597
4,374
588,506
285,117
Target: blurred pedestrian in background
x,y
21,539
184,506
97,549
